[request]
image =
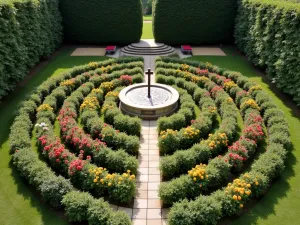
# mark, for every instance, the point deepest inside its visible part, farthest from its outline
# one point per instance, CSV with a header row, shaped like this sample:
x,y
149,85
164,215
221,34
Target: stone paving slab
x,y
89,52
208,51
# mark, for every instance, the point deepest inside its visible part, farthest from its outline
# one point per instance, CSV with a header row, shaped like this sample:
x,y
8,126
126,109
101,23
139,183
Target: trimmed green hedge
x,y
101,21
193,21
29,30
268,33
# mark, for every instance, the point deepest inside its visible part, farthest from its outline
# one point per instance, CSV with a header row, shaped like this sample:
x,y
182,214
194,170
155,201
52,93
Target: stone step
x,y
149,52
132,46
129,48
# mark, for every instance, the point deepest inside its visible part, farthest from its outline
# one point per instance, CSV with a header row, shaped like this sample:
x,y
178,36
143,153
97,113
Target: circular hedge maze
x,y
223,147
88,148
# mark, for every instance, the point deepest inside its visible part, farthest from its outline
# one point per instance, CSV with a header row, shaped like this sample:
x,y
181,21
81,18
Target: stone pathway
x,y
147,205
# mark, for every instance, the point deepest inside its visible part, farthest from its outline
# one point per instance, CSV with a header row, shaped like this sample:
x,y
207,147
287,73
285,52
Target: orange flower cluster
x,y
240,190
190,132
198,173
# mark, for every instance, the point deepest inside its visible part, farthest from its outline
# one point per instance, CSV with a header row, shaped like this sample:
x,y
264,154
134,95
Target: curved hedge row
x,y
194,21
102,22
267,31
53,188
29,30
229,200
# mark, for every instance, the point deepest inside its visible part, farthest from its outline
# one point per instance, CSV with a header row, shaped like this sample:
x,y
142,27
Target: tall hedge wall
x,y
268,32
29,30
194,21
102,21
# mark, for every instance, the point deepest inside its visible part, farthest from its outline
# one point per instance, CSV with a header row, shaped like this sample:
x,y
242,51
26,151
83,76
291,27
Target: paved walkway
x,y
147,205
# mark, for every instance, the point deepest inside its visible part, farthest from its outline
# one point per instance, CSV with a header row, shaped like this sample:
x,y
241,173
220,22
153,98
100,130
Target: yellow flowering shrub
x,y
190,132
102,177
106,107
97,91
250,103
187,75
255,88
119,186
70,82
228,85
198,174
93,64
168,141
44,107
184,67
112,94
189,136
90,103
106,69
216,142
107,86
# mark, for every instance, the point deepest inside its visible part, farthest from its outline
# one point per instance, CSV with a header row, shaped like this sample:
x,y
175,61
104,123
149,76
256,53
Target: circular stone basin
x,y
134,100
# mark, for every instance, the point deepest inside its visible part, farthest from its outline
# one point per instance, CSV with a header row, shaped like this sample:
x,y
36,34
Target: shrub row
x,y
25,160
98,129
74,136
182,117
81,206
30,30
82,173
270,40
113,116
269,165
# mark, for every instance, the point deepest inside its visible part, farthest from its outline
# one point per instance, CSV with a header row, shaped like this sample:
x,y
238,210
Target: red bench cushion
x,y
110,47
186,47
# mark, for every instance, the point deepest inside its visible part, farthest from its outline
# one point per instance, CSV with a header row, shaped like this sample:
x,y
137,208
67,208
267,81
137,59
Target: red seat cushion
x,y
186,47
110,47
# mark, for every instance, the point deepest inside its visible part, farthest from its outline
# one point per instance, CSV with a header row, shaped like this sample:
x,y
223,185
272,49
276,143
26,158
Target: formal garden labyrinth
x,y
222,148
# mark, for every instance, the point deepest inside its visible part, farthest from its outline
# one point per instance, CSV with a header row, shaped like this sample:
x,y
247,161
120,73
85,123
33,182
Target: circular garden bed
x,y
222,148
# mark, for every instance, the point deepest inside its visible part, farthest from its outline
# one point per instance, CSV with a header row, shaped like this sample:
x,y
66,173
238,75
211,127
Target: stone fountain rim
x,y
172,101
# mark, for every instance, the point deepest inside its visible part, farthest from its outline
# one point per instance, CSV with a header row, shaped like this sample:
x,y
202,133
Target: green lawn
x,y
147,31
19,204
281,204
147,17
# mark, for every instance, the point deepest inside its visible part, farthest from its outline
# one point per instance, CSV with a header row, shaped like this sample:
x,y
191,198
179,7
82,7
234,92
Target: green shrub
x,y
270,44
98,212
127,124
76,204
102,22
205,210
53,190
30,30
193,21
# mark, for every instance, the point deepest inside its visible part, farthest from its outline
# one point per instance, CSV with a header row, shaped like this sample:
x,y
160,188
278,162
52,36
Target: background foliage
x,y
29,30
267,31
101,21
193,21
